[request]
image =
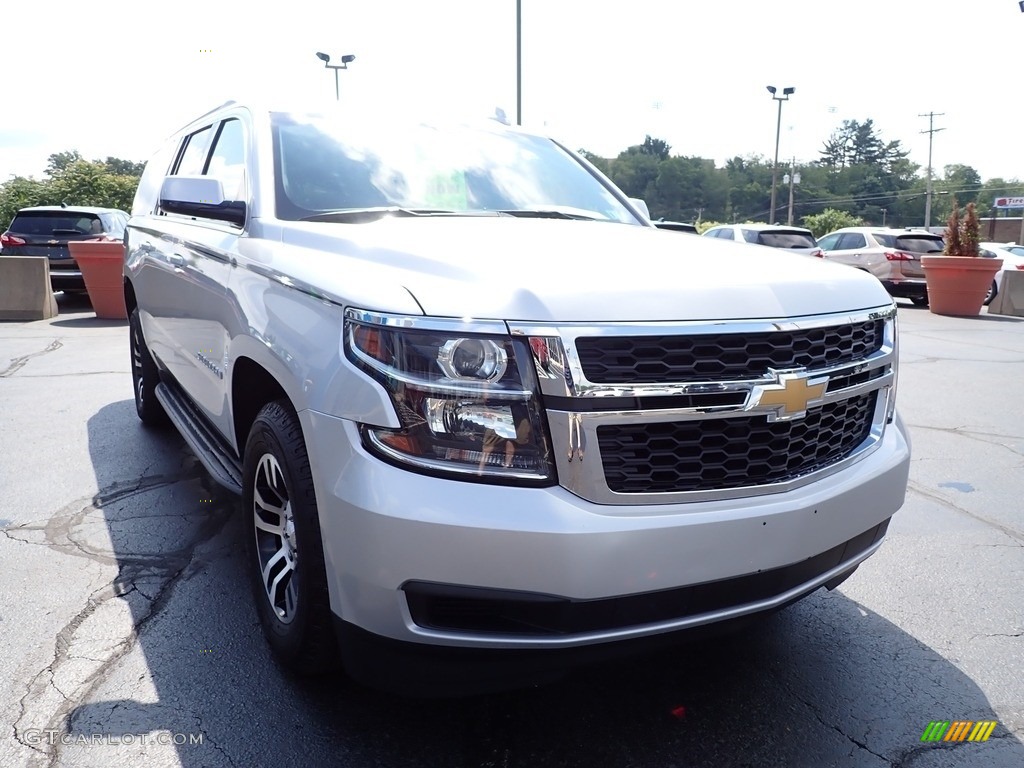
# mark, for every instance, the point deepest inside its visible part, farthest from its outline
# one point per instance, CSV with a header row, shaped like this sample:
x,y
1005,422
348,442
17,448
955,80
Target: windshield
x,y
327,165
911,243
47,223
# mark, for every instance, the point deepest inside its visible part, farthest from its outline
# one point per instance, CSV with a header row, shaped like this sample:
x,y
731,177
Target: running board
x,y
208,448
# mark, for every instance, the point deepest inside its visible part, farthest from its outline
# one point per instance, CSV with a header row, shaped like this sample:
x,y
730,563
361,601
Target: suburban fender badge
x,y
789,397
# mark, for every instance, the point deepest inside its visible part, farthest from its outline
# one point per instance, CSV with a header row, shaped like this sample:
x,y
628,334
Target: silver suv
x,y
891,255
485,418
794,239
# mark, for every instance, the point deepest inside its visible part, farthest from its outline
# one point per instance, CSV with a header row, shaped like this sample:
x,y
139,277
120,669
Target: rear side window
x,y
787,239
750,236
851,240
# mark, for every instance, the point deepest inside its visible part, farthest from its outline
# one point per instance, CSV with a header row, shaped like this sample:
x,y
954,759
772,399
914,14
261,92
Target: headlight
x,y
467,402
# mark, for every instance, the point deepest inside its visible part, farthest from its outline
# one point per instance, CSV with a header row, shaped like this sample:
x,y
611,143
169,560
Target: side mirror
x,y
200,196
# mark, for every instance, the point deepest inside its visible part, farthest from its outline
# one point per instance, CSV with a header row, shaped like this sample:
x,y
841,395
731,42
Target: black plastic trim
x,y
455,608
210,449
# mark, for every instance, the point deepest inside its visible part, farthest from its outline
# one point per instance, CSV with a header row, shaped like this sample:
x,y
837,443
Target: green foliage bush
x,y
109,183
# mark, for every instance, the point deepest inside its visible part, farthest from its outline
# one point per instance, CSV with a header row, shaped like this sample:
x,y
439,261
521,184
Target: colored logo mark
x,y
959,730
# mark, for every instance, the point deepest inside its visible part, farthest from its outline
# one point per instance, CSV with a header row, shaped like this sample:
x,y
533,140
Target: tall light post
x,y
347,59
778,128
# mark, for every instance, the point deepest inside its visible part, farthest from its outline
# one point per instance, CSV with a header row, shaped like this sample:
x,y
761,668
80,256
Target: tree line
x,y
857,175
71,179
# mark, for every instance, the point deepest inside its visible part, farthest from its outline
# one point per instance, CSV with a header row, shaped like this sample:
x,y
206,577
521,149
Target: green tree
x,y
830,220
73,181
58,162
962,181
120,167
18,193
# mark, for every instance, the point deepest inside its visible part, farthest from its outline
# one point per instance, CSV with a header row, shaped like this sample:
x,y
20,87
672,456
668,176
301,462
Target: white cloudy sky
x,y
113,77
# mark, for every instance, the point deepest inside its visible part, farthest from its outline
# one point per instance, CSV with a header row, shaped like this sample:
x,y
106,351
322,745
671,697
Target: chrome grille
x,y
723,356
661,413
725,453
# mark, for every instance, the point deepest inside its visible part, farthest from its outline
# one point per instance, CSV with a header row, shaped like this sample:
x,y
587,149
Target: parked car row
x,y
891,255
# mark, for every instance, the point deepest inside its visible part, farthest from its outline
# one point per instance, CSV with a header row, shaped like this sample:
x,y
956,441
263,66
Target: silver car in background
x,y
891,255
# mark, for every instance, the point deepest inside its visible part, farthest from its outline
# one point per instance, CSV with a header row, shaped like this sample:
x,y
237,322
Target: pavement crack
x,y
18,363
162,573
835,727
928,493
212,743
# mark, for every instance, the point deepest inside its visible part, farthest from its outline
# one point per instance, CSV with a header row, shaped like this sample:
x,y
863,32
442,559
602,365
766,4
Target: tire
x,y
919,301
992,292
145,376
285,550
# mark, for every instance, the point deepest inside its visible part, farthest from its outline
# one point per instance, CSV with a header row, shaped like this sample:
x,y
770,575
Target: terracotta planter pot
x,y
102,265
957,285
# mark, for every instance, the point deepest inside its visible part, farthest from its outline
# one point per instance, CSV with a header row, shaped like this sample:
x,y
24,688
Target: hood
x,y
559,271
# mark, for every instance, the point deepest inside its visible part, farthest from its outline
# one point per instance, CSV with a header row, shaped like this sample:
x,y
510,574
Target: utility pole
x,y
932,130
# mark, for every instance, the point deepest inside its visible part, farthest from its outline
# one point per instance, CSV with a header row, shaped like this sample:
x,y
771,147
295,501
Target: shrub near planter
x,y
959,279
102,265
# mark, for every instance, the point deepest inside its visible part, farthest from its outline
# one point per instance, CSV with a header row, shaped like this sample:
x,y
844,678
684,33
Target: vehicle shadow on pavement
x,y
825,682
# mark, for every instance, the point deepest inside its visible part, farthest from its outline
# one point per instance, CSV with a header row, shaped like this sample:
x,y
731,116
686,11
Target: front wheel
x,y
285,550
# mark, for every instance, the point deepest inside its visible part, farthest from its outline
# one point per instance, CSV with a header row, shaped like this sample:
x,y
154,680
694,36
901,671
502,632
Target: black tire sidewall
x,y
297,643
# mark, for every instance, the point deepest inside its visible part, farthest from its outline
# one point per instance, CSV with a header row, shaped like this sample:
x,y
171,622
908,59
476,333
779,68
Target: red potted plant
x,y
102,264
959,279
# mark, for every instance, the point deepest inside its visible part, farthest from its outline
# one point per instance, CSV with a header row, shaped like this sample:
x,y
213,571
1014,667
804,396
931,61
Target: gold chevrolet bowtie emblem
x,y
790,397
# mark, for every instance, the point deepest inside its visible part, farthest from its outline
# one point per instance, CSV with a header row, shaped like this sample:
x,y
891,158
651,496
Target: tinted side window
x,y
851,240
750,235
227,162
193,156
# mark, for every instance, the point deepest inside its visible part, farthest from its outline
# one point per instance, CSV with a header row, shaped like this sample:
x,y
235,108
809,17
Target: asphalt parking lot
x,y
130,639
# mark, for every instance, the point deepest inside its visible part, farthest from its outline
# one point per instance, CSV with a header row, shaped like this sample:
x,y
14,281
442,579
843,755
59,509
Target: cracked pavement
x,y
131,641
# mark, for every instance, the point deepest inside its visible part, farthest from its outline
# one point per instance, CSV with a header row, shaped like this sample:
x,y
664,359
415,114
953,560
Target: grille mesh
x,y
717,454
723,356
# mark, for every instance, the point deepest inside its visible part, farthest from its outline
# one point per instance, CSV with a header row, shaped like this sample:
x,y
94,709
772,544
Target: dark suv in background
x,y
46,231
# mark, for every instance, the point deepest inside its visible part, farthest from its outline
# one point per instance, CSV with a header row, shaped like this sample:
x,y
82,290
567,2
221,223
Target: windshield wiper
x,y
357,215
551,213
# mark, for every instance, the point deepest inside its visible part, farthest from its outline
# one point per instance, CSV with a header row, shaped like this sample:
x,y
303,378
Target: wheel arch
x,y
252,387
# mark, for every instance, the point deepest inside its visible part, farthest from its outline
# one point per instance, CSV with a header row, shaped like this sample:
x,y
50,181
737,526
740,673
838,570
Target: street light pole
x,y
347,59
778,128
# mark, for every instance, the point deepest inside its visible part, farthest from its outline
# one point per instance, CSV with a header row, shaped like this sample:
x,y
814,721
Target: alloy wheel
x,y
276,545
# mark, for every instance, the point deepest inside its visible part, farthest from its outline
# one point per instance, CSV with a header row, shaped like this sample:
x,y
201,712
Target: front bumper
x,y
385,528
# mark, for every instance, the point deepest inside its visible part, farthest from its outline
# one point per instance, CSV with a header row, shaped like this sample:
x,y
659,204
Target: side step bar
x,y
207,447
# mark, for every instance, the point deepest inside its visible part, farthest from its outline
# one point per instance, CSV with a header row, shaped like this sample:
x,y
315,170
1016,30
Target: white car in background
x,y
1012,256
